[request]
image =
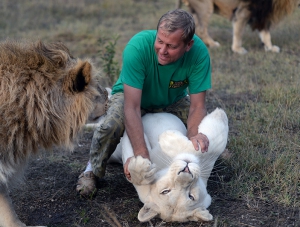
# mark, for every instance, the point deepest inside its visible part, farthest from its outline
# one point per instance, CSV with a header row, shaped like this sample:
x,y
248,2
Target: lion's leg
x,y
265,38
215,127
202,11
8,216
239,23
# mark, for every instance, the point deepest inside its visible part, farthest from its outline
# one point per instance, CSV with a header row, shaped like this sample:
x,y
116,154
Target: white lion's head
x,y
177,193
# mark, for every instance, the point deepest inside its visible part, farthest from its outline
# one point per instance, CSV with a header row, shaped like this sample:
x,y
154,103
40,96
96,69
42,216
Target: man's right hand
x,y
126,171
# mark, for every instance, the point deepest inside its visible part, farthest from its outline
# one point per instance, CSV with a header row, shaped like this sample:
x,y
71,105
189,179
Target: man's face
x,y
169,47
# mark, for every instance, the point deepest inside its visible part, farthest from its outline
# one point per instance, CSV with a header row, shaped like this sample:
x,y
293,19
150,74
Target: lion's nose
x,y
186,169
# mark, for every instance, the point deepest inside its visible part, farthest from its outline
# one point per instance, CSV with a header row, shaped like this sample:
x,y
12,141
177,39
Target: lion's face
x,y
178,193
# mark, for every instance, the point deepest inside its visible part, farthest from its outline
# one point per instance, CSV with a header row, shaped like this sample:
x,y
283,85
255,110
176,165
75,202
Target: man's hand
x,y
126,171
202,140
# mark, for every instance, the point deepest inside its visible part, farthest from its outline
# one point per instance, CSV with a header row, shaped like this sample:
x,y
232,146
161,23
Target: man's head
x,y
175,31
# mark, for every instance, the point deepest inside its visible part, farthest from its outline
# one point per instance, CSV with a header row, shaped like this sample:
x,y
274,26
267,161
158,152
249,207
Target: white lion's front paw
x,y
173,142
141,170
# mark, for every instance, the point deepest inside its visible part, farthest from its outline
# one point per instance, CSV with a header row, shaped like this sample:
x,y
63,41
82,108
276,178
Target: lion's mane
x,y
45,98
264,14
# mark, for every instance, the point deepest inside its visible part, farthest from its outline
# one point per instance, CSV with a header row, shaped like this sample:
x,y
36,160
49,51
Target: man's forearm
x,y
135,131
194,119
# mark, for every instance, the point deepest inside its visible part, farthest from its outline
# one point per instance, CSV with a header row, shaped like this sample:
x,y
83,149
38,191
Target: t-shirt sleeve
x,y
200,77
133,70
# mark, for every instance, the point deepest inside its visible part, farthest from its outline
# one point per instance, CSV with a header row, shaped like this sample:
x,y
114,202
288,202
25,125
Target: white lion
x,y
173,186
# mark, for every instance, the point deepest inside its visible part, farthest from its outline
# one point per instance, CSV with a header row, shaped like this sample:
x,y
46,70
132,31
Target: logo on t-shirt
x,y
177,84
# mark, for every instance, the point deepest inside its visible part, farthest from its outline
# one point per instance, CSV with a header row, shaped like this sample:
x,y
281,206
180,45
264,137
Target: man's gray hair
x,y
178,19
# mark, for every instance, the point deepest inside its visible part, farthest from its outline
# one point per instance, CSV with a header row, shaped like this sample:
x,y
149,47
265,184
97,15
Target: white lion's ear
x,y
148,211
202,214
173,142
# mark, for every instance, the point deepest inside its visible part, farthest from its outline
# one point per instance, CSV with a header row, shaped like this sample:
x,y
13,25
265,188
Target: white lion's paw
x,y
141,170
173,142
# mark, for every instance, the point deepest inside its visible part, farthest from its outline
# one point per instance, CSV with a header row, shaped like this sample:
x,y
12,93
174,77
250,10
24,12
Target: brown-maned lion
x,y
46,96
260,15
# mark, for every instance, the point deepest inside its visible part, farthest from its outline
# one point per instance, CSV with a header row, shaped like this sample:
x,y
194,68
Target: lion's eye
x,y
166,191
191,197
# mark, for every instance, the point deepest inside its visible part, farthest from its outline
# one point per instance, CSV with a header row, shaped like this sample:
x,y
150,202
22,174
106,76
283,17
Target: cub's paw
x,y
141,170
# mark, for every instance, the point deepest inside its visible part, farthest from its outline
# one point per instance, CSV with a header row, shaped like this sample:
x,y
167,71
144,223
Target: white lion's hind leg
x,y
215,127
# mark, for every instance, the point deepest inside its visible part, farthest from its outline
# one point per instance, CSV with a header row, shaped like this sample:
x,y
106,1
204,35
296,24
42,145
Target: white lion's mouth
x,y
186,169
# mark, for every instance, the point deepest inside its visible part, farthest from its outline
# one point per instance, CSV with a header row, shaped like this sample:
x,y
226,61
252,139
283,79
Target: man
x,y
158,68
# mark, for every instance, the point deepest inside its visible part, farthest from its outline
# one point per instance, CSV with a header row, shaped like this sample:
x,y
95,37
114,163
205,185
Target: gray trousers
x,y
108,135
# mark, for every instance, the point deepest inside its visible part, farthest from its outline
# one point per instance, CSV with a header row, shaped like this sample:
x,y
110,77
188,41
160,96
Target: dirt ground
x,y
48,196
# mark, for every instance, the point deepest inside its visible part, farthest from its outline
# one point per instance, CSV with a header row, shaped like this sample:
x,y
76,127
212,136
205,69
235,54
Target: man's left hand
x,y
202,140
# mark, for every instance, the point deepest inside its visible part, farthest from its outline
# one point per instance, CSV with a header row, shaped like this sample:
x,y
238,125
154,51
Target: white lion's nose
x,y
186,169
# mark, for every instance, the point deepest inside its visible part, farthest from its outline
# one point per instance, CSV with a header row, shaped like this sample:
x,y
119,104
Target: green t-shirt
x,y
163,85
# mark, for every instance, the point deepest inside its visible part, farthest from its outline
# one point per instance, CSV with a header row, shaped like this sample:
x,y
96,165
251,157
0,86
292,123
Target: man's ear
x,y
79,77
189,45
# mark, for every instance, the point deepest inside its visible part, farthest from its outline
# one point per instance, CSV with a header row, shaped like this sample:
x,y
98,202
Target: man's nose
x,y
163,49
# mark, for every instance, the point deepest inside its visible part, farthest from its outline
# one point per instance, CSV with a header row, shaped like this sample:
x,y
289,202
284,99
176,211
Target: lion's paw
x,y
141,170
273,48
214,44
239,50
173,142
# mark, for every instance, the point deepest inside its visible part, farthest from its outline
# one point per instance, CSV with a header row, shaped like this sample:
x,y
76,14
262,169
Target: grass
x,y
266,142
259,91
